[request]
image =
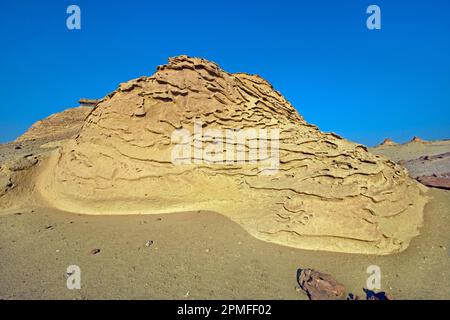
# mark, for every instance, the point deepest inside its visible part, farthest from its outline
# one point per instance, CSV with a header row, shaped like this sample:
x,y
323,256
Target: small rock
x,y
149,243
319,286
94,252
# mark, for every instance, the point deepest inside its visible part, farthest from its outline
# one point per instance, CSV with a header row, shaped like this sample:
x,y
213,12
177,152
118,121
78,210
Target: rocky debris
x,y
58,126
319,286
325,192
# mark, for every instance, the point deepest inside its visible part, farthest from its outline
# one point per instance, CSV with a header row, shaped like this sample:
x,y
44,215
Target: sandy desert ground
x,y
198,255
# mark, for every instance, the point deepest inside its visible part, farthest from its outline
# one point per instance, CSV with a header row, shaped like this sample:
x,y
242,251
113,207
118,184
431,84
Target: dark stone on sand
x,y
319,286
94,252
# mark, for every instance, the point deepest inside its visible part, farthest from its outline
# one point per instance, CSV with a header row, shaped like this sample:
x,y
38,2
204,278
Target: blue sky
x,y
365,85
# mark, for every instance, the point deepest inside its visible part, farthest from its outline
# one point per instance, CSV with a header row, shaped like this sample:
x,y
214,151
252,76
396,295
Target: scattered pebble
x,y
94,252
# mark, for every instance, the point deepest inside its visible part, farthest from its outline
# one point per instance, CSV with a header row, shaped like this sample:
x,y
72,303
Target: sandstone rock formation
x,y
62,125
328,193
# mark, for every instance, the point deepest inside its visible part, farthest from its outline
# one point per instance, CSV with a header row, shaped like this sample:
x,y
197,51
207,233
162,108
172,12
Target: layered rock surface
x,y
328,194
62,125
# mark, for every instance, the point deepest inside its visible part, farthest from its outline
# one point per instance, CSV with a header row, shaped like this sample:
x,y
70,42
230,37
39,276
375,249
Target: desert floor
x,y
198,255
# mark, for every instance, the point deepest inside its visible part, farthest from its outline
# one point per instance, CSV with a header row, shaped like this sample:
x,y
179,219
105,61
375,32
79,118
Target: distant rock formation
x,y
62,125
428,162
388,142
417,139
328,193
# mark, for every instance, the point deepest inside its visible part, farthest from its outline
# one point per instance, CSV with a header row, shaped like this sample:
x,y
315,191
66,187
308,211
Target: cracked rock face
x,y
328,193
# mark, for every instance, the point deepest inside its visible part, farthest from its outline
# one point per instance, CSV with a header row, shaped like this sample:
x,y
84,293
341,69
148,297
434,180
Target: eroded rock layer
x,y
62,125
328,194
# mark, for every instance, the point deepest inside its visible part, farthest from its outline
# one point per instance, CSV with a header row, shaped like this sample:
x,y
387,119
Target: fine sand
x,y
198,255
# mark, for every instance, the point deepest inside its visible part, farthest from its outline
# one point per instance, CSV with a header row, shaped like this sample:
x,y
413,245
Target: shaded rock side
x,y
329,193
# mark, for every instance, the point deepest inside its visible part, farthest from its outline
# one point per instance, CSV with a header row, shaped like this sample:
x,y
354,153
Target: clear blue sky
x,y
365,85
